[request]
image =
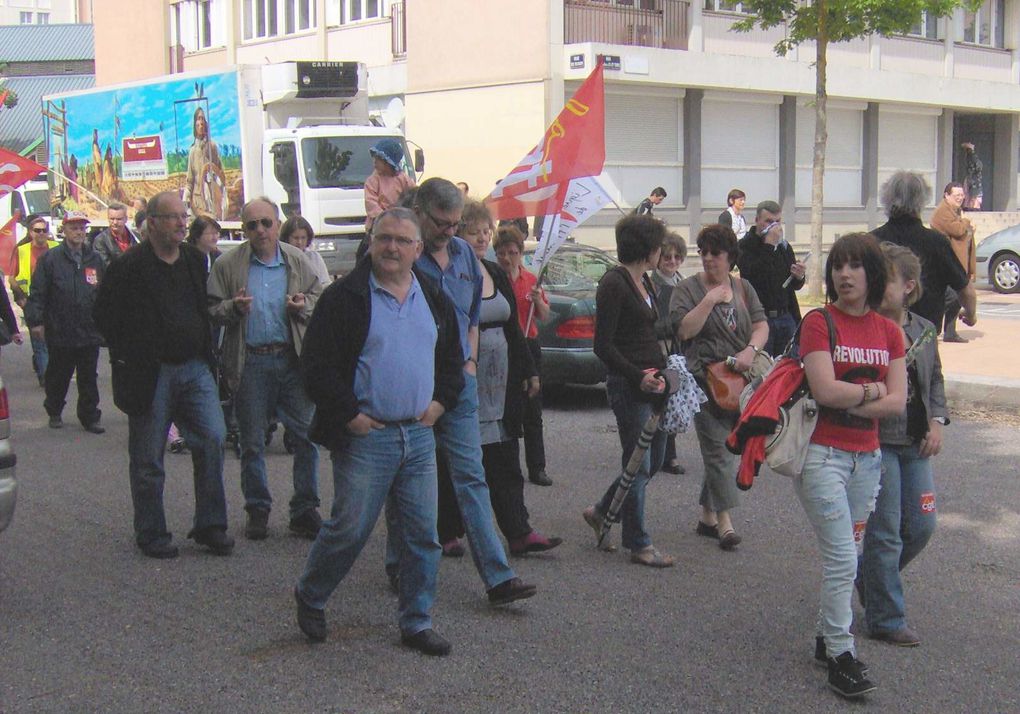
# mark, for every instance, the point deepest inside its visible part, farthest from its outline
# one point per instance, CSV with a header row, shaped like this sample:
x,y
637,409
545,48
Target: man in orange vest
x,y
38,242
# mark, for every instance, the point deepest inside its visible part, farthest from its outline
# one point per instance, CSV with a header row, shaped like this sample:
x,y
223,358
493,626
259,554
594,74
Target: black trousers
x,y
953,307
534,438
65,362
503,475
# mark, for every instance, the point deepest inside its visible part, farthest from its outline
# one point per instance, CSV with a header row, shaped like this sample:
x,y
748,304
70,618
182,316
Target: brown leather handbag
x,y
724,386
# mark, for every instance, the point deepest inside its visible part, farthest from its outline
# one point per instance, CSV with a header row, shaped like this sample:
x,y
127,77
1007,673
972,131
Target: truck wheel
x,y
1004,274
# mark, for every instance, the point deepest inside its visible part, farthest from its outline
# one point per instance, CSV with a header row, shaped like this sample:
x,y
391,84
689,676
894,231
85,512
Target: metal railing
x,y
645,23
398,29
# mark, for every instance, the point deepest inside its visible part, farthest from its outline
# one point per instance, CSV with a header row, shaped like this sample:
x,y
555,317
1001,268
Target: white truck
x,y
297,132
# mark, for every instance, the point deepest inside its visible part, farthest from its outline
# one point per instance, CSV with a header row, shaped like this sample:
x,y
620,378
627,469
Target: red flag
x,y
574,146
16,170
8,245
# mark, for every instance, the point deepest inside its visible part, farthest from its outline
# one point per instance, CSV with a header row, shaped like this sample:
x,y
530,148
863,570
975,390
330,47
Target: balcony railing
x,y
398,29
645,23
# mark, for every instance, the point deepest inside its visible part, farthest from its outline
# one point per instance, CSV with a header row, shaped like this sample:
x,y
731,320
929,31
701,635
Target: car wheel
x,y
1004,274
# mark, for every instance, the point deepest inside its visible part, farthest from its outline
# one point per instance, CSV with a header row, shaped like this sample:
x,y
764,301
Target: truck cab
x,y
319,172
31,197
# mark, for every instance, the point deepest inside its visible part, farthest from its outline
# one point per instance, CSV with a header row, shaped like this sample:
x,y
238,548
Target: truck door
x,y
283,185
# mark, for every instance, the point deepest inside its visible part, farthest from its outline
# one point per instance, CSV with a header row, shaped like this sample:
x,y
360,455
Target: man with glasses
x,y
264,292
382,361
450,262
26,257
767,261
59,311
152,312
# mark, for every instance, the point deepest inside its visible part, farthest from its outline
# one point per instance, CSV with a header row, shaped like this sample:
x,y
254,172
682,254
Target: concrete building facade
x,y
690,104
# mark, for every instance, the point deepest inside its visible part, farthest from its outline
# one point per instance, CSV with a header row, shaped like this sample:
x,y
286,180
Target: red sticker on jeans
x,y
91,276
928,502
859,531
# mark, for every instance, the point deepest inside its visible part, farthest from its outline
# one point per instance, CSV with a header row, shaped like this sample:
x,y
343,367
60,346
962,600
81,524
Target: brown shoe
x,y
903,637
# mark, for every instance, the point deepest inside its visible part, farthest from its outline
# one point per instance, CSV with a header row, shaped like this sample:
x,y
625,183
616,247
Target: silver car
x,y
999,255
8,482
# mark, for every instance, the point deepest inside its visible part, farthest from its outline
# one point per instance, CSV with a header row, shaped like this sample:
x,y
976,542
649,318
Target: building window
x,y
927,27
199,24
985,26
269,18
25,18
726,6
42,18
358,10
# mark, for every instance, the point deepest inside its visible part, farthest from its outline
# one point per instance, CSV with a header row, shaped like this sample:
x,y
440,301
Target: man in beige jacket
x,y
948,219
263,293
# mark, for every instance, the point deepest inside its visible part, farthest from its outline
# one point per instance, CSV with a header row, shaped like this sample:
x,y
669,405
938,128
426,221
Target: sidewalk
x,y
985,372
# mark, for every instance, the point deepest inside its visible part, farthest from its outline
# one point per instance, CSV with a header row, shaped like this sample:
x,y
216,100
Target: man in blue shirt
x,y
264,292
382,360
452,264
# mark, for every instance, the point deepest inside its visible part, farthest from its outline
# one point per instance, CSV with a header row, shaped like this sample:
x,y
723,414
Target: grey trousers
x,y
719,489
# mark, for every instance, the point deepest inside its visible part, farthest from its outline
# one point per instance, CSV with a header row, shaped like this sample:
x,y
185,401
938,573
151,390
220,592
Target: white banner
x,y
585,197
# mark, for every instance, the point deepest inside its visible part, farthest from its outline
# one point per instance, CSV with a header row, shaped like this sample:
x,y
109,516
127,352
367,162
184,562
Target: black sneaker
x,y
56,422
822,659
306,525
215,539
510,591
311,620
846,677
257,527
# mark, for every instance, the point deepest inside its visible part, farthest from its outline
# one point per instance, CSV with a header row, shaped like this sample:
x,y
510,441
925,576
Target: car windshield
x,y
575,269
338,161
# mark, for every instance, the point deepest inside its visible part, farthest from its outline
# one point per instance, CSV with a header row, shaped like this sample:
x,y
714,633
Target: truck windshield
x,y
338,161
38,201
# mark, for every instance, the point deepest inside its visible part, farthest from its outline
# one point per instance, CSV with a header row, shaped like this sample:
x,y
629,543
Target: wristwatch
x,y
940,420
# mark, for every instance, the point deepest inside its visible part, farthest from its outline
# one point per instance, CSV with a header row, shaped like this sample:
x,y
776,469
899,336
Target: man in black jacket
x,y
767,261
59,310
152,312
382,361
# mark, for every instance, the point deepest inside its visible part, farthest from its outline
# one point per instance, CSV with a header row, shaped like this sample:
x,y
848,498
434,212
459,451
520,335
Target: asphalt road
x,y
89,625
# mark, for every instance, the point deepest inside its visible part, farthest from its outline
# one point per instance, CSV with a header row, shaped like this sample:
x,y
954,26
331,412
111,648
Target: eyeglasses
x,y
443,226
251,225
715,252
401,241
171,216
40,230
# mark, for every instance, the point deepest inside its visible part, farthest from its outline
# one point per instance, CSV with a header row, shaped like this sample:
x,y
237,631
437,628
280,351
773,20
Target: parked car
x,y
8,482
999,253
567,336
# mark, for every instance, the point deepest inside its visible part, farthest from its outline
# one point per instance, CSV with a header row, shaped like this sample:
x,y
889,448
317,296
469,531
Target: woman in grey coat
x,y
665,277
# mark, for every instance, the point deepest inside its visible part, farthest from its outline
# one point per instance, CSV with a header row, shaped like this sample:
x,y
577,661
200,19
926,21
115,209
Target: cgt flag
x,y
8,245
573,146
16,170
584,198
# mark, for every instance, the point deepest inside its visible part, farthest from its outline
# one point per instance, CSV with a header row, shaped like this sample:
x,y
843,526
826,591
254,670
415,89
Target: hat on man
x,y
76,217
390,151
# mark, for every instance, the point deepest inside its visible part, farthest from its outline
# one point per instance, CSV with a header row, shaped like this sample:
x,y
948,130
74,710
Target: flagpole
x,y
57,173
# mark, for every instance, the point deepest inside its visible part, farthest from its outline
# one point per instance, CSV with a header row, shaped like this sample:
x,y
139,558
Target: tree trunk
x,y
817,265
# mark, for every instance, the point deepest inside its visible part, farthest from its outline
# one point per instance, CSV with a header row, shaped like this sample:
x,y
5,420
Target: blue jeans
x,y
271,386
40,357
898,531
458,437
396,460
781,331
185,394
631,413
837,490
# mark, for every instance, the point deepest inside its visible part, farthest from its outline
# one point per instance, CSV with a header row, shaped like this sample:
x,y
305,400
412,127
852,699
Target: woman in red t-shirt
x,y
863,379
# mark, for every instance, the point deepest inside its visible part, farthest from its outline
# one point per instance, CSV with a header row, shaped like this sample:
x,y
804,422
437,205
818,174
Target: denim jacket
x,y
893,430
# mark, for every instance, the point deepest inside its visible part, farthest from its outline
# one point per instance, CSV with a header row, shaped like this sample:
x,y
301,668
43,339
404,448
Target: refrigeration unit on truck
x,y
296,132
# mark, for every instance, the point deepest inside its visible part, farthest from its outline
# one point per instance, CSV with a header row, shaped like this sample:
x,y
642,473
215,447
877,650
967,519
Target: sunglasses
x,y
251,225
40,230
715,252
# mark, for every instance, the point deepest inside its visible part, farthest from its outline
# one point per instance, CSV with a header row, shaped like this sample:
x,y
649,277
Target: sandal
x,y
594,519
729,540
651,557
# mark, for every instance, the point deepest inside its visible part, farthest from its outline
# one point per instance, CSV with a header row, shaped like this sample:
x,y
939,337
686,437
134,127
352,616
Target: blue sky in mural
x,y
165,108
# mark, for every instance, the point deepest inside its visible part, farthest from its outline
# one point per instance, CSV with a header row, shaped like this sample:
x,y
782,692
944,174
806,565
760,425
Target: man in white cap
x,y
59,310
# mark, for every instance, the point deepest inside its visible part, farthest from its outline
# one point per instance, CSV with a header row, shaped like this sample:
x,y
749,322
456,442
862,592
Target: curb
x,y
991,393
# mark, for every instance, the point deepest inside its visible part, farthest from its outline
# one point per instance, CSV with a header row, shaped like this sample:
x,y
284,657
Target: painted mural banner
x,y
136,141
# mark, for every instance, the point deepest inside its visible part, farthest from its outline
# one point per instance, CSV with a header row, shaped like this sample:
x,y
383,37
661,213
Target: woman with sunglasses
x,y
862,380
717,317
665,277
506,378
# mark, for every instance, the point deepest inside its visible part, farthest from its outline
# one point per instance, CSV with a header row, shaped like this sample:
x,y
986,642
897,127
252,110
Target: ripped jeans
x,y
837,490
